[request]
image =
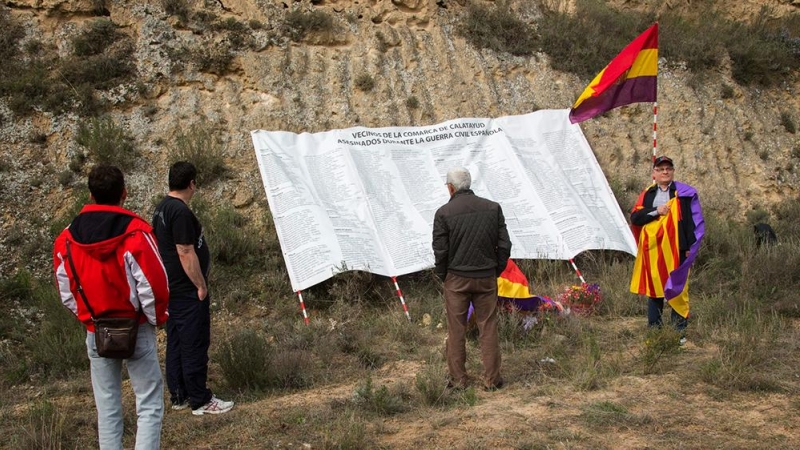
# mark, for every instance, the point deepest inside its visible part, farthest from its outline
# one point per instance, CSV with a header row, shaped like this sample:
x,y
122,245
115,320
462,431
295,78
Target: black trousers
x,y
188,339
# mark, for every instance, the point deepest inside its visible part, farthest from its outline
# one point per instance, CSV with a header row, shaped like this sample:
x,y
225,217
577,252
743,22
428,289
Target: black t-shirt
x,y
174,223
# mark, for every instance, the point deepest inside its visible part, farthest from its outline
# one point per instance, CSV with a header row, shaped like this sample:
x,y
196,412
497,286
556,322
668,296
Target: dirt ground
x,y
655,411
668,409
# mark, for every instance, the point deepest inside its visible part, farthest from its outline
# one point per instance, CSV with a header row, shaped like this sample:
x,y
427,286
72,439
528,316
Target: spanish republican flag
x,y
512,286
631,77
658,271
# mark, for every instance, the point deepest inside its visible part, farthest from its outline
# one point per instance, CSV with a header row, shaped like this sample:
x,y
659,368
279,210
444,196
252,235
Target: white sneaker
x,y
180,406
215,406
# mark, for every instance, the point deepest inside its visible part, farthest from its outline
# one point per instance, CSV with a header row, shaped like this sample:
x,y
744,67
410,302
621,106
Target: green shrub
x,y
65,177
583,43
762,52
692,41
412,102
788,122
95,38
316,25
11,33
200,146
215,58
365,82
380,400
58,348
238,33
244,360
431,384
727,91
107,143
660,344
178,8
18,288
232,243
102,71
498,29
249,362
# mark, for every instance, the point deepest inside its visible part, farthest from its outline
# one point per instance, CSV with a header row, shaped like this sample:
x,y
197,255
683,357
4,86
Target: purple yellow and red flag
x,y
631,77
513,287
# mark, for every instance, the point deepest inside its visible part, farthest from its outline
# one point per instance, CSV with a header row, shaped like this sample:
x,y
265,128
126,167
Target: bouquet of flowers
x,y
582,299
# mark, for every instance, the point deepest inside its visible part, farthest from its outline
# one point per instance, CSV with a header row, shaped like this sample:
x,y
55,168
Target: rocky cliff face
x,y
733,147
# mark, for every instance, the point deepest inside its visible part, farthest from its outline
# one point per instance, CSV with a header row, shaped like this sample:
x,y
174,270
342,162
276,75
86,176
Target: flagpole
x,y
655,131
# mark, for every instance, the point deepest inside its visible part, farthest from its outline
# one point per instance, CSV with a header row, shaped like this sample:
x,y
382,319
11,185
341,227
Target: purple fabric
x,y
677,279
522,304
629,90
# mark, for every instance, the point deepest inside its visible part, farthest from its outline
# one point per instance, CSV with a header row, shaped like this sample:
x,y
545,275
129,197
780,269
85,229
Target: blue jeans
x,y
145,375
654,308
188,340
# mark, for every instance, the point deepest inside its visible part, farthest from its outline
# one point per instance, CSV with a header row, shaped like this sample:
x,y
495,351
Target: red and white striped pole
x,y
655,131
402,300
578,272
303,307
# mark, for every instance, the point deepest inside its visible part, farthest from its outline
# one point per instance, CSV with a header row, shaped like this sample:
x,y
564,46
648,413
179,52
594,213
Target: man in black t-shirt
x,y
186,258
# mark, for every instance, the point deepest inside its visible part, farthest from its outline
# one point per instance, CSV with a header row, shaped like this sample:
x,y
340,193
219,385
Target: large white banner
x,y
364,198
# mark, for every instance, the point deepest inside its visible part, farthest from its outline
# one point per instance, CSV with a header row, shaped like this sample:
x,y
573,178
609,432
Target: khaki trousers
x,y
482,292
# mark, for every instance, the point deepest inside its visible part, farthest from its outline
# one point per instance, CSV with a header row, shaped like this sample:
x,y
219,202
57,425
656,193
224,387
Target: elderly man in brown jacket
x,y
471,248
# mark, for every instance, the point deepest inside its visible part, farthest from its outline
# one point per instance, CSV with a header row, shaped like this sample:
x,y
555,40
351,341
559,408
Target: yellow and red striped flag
x,y
658,257
631,77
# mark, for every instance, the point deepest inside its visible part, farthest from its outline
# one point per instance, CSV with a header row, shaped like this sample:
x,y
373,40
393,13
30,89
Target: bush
x,y
178,8
244,360
431,384
107,143
101,71
788,122
95,38
237,32
498,29
231,242
317,26
214,59
58,349
583,43
365,82
692,41
250,362
380,400
11,33
14,289
200,146
762,52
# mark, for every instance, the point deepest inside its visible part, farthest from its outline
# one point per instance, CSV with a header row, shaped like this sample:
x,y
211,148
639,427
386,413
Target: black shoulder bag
x,y
115,337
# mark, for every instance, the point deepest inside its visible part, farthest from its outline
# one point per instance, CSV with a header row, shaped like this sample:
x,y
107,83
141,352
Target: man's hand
x,y
202,293
662,210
